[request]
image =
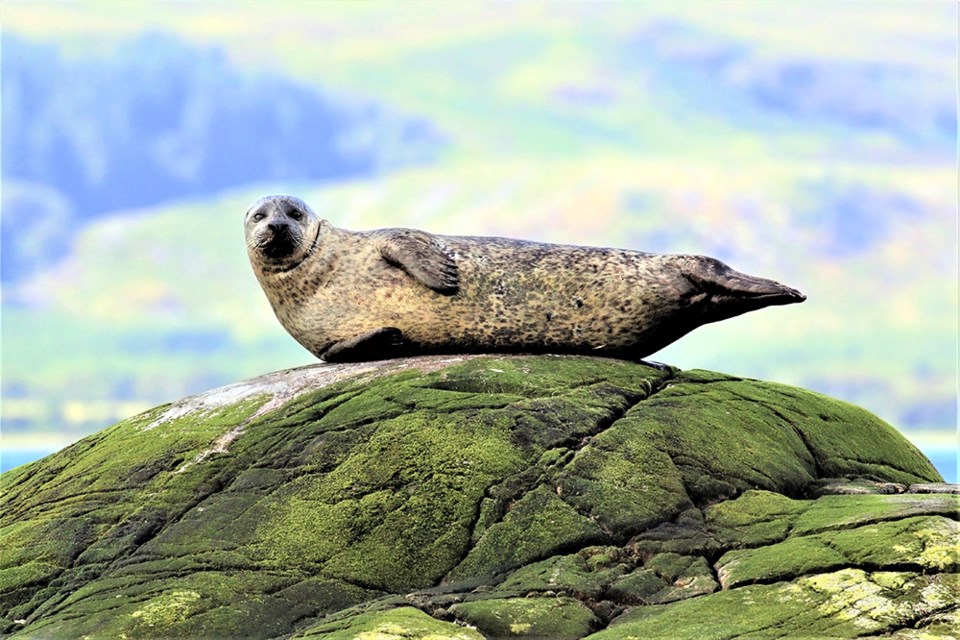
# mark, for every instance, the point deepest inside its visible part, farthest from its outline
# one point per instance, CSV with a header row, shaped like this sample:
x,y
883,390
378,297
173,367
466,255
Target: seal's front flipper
x,y
419,254
372,345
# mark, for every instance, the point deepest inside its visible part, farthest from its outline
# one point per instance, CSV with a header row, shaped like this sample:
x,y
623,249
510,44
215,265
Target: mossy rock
x,y
469,497
400,623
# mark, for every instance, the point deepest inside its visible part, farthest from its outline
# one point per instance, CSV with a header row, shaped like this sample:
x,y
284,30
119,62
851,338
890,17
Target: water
x,y
12,458
945,460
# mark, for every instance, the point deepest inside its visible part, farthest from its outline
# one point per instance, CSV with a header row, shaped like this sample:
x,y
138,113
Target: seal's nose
x,y
278,226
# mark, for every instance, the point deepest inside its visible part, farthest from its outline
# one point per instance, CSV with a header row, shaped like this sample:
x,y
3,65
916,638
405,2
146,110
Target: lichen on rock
x,y
480,496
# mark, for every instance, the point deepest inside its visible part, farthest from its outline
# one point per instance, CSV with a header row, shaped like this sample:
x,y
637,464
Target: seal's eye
x,y
296,214
257,217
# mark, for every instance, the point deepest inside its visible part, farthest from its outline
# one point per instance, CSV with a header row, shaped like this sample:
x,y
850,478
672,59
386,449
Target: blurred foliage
x,y
809,142
157,119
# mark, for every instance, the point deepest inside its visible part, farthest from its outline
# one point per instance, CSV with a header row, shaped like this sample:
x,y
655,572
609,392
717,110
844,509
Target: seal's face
x,y
281,232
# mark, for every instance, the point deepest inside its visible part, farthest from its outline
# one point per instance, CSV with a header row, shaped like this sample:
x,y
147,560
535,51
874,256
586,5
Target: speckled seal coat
x,y
348,295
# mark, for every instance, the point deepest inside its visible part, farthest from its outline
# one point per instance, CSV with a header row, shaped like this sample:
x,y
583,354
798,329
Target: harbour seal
x,y
348,296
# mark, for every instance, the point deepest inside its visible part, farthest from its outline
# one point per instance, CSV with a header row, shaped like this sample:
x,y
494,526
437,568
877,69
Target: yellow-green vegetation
x,y
923,543
402,623
167,611
525,496
559,618
538,525
844,604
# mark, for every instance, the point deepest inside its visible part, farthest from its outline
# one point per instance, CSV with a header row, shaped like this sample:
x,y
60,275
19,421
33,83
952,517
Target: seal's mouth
x,y
280,244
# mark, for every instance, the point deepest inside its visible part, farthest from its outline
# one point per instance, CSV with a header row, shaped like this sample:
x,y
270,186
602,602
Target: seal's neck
x,y
302,279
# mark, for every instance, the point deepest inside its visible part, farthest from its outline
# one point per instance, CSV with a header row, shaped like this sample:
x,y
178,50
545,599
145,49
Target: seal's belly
x,y
579,302
511,297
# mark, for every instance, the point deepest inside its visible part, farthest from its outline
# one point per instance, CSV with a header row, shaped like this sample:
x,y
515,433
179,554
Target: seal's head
x,y
281,232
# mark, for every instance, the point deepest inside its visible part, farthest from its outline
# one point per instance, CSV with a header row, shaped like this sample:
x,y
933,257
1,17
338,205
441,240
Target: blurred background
x,y
811,142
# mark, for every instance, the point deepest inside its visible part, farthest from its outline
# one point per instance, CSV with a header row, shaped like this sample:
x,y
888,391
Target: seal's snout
x,y
279,227
279,240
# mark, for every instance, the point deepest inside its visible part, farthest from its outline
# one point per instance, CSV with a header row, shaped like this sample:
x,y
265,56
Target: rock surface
x,y
481,497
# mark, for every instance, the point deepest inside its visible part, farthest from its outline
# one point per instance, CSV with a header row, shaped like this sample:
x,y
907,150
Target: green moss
x,y
358,519
835,512
21,580
585,574
753,434
932,543
624,483
941,626
785,560
369,405
669,565
686,534
664,578
762,517
873,450
312,405
489,514
97,500
167,610
843,604
381,485
397,512
404,623
637,587
204,604
600,560
710,432
555,618
755,518
539,525
887,535
135,454
530,376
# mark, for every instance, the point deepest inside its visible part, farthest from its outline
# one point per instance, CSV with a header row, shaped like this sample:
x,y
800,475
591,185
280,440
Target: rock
x,y
934,487
470,497
842,604
557,618
391,624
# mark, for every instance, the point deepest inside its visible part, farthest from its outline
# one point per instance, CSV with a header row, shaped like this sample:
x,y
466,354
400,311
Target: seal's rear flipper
x,y
769,292
372,345
419,254
729,293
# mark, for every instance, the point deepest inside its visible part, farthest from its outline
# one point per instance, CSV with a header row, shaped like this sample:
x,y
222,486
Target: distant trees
x,y
158,119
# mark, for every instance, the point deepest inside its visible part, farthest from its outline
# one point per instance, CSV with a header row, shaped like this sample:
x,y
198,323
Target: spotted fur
x,y
349,295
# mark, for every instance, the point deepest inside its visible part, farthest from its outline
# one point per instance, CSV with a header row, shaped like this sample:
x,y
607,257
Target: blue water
x,y
945,460
12,458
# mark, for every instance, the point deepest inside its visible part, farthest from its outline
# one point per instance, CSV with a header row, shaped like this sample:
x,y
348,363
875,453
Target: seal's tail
x,y
741,285
729,293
